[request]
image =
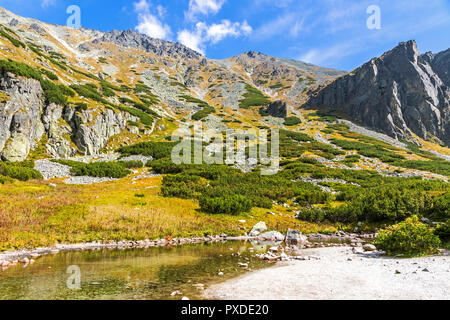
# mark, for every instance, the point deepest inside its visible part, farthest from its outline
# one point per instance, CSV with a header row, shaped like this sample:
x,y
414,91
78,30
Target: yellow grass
x,y
34,214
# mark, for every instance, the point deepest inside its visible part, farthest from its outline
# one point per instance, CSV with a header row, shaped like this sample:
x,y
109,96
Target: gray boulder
x,y
20,124
369,247
271,236
258,229
277,109
295,237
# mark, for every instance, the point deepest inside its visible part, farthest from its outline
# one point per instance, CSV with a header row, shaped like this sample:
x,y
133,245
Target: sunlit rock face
x,y
399,93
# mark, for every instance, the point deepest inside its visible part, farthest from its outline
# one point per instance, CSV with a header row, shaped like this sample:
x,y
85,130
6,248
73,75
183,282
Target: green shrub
x,y
253,97
100,170
22,171
66,90
88,91
323,117
50,75
410,238
435,166
292,121
182,186
370,150
203,113
297,136
19,69
142,88
87,75
276,86
145,118
233,205
12,39
314,197
157,150
6,180
441,207
313,215
392,203
81,106
53,93
352,158
133,164
443,232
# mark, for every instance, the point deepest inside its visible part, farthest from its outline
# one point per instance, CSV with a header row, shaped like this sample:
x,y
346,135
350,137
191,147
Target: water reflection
x,y
152,273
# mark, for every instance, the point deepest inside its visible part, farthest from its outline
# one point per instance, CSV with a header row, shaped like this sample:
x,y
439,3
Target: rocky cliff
x,y
27,121
400,93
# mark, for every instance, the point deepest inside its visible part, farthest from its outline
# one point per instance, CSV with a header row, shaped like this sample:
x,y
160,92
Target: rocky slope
x,y
168,78
140,88
402,94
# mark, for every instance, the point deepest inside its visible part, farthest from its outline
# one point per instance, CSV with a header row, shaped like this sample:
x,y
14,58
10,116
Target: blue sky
x,y
331,33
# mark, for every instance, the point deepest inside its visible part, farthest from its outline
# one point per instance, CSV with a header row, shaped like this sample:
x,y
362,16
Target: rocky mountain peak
x,y
254,54
133,39
400,93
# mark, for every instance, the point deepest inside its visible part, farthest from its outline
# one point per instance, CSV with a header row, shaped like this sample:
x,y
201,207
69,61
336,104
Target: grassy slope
x,y
33,214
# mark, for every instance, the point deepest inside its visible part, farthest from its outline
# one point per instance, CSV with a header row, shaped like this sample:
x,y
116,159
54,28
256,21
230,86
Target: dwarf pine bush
x,y
234,205
410,237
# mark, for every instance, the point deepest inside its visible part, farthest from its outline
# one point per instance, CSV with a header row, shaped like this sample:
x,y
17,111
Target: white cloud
x,y
47,3
142,6
203,7
161,11
204,34
151,26
149,23
192,40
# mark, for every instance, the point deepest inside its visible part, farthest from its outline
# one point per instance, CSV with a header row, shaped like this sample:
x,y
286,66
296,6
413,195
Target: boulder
x,y
295,237
271,236
276,109
369,247
258,229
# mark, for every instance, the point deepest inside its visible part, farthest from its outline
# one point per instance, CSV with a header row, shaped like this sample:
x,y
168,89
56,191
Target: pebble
x,y
369,247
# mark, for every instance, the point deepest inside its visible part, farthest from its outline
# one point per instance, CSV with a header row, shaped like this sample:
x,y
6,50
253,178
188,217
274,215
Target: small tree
x,y
410,237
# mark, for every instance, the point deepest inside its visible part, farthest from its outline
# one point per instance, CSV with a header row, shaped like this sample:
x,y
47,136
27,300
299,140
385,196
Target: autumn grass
x,y
33,214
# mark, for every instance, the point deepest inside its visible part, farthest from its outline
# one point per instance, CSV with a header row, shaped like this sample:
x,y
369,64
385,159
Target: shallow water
x,y
152,273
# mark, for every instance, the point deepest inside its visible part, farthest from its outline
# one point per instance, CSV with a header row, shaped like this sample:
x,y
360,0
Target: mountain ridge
x,y
126,87
399,93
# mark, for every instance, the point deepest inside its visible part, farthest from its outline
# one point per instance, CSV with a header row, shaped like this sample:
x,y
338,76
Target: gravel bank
x,y
341,274
51,170
87,180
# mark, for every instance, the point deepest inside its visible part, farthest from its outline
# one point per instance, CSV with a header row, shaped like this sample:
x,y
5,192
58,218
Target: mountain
x,y
67,92
78,91
402,93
